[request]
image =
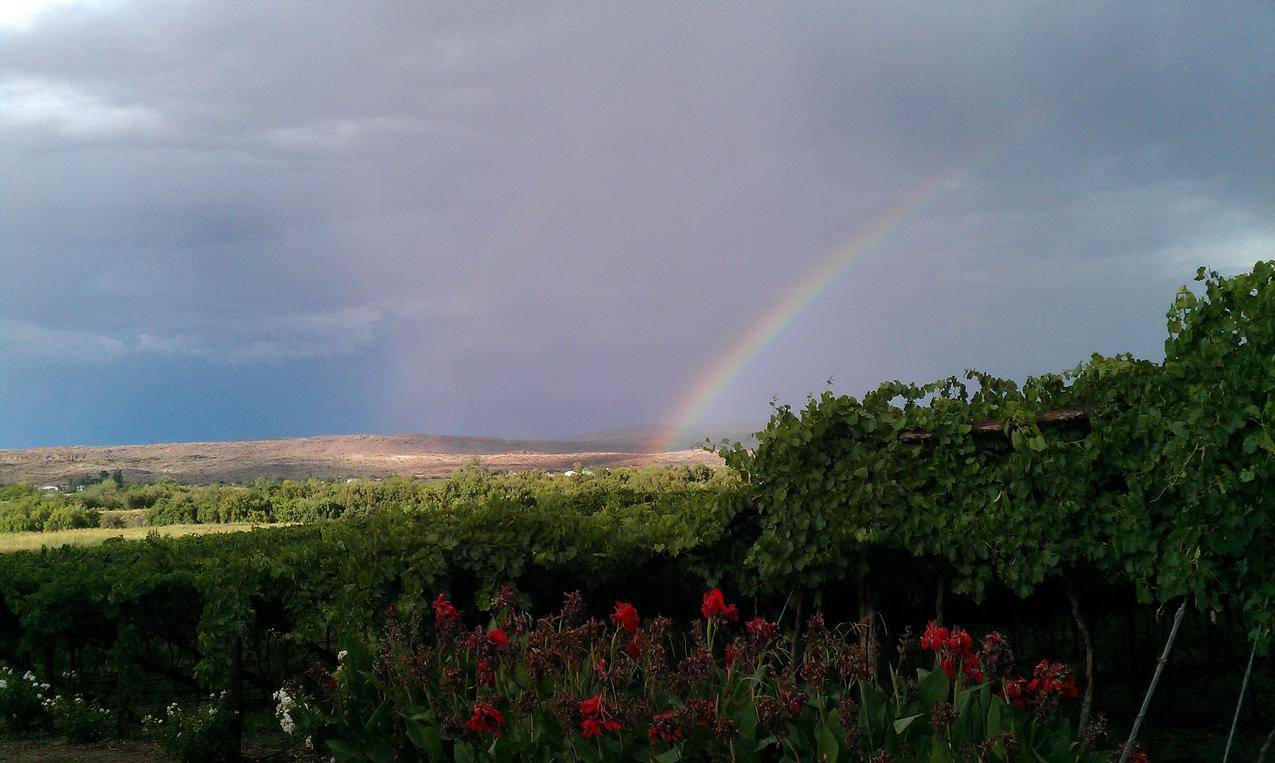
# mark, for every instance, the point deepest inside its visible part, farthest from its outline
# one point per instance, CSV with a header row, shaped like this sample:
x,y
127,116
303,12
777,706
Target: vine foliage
x,y
1167,488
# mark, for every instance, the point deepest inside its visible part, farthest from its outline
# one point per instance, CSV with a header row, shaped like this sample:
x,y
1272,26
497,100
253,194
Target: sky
x,y
242,220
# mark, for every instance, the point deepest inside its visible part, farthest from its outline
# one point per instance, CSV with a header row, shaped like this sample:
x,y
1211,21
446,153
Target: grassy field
x,y
92,536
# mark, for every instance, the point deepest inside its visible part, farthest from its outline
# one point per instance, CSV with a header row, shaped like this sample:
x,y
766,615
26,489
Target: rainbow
x,y
727,366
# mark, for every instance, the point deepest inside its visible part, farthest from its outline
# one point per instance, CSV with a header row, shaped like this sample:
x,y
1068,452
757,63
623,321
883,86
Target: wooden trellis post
x,y
1052,417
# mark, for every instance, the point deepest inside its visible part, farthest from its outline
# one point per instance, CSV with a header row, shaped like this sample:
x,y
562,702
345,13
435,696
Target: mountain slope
x,y
328,457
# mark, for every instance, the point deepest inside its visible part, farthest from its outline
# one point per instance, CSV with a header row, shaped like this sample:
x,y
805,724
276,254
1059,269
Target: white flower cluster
x,y
283,711
9,676
30,678
79,704
25,691
174,714
340,662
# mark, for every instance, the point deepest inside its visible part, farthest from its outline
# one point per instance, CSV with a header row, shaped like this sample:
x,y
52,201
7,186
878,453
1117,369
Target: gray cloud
x,y
541,219
20,340
231,339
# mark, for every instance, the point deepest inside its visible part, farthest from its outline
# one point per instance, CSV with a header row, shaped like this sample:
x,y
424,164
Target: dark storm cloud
x,y
536,220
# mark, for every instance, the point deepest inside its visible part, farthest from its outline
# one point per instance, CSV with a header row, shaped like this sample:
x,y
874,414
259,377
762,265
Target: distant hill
x,y
653,436
336,456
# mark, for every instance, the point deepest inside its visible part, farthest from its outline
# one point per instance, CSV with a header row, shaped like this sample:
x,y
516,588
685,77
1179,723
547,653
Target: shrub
x,y
30,510
192,734
79,719
71,518
172,510
22,699
25,514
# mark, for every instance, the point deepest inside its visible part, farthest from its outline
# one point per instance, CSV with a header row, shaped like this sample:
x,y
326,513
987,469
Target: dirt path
x,y
111,751
49,750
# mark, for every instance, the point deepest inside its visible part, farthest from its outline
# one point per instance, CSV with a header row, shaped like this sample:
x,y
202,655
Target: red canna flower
x,y
934,637
793,700
596,717
1048,678
444,612
948,663
498,637
1016,692
969,665
1069,688
626,616
728,659
486,719
961,642
634,647
714,604
760,629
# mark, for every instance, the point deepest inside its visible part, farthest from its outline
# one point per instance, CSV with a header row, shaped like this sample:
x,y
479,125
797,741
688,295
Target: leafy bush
x,y
25,513
22,699
70,518
177,509
79,719
195,733
26,509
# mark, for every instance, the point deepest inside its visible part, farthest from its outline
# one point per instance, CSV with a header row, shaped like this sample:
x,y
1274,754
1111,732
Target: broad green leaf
x,y
932,687
828,745
994,725
901,725
344,751
379,718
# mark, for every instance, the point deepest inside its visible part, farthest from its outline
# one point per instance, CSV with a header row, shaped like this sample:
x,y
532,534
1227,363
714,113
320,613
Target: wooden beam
x,y
1052,417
